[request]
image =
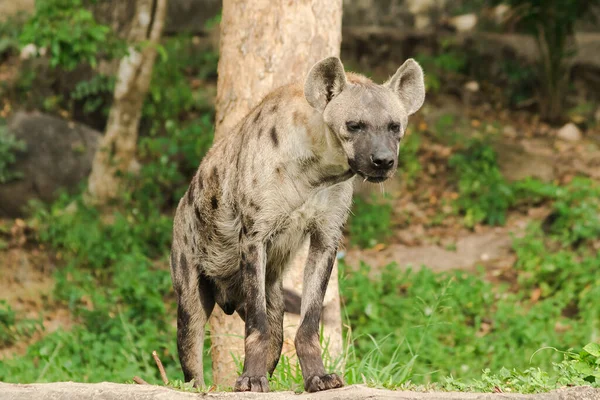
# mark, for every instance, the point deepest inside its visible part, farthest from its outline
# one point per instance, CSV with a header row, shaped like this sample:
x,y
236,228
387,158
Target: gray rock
x,y
59,156
463,23
110,391
570,133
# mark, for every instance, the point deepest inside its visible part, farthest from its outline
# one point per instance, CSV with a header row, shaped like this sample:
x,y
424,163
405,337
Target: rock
x,y
422,22
463,23
570,133
110,391
509,131
59,155
501,13
29,51
472,86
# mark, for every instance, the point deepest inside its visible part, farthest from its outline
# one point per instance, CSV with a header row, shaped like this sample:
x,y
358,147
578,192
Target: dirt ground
x,y
26,283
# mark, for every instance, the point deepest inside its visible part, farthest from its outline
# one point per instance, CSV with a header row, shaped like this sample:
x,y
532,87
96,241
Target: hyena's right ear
x,y
325,80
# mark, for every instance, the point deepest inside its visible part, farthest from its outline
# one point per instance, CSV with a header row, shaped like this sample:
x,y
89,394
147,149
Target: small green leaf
x,y
592,349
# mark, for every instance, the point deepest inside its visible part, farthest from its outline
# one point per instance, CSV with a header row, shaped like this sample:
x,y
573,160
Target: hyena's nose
x,y
382,160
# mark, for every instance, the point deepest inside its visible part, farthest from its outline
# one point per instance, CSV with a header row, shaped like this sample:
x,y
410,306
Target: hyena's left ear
x,y
408,83
325,80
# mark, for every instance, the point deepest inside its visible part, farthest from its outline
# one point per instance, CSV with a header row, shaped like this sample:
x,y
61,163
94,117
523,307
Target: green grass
x,y
413,327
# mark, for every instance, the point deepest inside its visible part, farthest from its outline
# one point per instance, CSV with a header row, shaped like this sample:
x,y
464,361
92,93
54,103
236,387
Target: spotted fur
x,y
284,174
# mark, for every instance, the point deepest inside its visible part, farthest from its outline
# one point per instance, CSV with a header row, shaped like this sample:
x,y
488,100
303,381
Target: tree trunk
x,y
266,44
116,155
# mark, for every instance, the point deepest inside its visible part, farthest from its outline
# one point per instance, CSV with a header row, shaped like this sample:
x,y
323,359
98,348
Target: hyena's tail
x,y
291,301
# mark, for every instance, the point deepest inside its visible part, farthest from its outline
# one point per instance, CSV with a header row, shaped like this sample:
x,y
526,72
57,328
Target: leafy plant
x,y
9,34
552,24
484,194
448,61
575,219
409,165
13,328
370,222
70,34
587,363
520,81
93,90
9,146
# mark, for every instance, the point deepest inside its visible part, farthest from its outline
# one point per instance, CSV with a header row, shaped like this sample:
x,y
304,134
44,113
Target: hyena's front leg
x,y
319,264
256,344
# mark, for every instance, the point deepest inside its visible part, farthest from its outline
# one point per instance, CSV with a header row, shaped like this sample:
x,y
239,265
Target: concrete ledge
x,y
116,391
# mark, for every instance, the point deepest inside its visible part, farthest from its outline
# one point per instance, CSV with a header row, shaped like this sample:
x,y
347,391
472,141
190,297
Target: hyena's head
x,y
368,119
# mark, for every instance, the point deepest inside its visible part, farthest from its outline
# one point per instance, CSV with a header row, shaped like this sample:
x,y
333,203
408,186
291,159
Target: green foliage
x,y
70,34
587,363
170,95
582,368
181,126
484,194
9,34
114,275
457,324
429,326
409,165
93,90
552,23
370,222
520,81
9,145
577,212
13,328
448,62
575,219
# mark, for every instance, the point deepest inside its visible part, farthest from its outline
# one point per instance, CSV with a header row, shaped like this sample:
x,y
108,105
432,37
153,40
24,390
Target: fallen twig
x,y
161,369
139,381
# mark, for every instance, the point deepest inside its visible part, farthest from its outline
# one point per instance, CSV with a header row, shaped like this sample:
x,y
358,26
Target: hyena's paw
x,y
325,382
251,384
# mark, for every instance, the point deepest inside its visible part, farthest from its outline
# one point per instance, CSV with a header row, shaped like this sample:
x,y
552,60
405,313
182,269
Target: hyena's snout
x,y
383,160
376,161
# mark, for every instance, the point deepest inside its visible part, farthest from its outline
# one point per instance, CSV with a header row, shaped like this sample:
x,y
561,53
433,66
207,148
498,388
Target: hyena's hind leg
x,y
195,303
275,310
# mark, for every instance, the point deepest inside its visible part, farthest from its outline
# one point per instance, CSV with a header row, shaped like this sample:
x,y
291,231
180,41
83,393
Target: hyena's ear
x,y
325,80
408,84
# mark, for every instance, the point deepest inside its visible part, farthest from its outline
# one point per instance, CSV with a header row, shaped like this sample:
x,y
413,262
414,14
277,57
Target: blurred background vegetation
x,y
477,268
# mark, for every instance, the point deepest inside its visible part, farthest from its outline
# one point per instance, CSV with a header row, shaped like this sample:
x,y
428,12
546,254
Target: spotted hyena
x,y
282,175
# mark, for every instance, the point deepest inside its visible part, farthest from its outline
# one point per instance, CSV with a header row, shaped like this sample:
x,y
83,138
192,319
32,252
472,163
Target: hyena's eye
x,y
353,126
394,127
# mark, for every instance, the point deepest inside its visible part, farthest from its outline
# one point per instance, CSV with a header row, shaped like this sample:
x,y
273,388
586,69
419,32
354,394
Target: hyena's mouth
x,y
371,178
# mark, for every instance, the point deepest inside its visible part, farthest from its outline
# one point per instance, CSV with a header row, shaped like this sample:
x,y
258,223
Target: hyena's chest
x,y
292,227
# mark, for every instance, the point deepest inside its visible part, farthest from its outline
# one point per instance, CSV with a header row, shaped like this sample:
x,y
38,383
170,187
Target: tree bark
x,y
116,155
266,44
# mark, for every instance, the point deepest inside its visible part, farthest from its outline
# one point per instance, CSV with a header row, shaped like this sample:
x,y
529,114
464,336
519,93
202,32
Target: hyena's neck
x,y
330,164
